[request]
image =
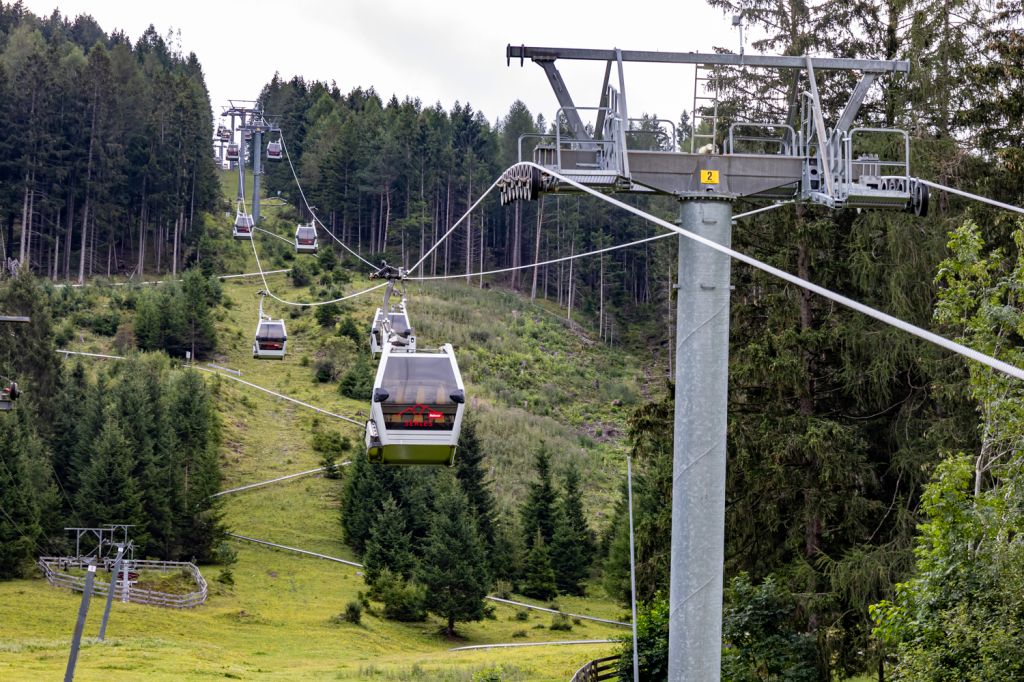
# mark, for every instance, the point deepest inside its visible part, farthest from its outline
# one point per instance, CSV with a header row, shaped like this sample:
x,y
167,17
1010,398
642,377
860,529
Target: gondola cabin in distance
x,y
416,409
271,340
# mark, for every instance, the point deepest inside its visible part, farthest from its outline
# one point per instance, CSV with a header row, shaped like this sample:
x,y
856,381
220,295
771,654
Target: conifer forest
x,y
874,519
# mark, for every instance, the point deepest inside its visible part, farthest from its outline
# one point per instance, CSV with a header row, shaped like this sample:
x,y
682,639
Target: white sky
x,y
437,50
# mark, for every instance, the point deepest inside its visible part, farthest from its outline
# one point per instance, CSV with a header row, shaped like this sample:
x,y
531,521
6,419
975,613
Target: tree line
x,y
105,154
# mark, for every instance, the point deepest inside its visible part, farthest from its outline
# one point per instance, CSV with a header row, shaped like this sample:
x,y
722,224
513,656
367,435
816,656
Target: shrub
x,y
561,622
404,601
226,576
353,612
522,614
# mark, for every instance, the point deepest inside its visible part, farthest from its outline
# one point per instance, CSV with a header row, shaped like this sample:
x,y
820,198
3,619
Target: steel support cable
x,y
274,234
588,253
452,228
282,396
941,341
266,287
319,222
984,200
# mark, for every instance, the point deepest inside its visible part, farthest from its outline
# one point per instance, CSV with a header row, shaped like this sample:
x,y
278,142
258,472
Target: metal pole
x,y
257,153
76,639
110,592
698,484
632,567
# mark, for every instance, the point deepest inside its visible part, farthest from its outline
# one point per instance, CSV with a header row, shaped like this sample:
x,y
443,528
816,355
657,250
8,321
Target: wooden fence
x,y
597,670
54,570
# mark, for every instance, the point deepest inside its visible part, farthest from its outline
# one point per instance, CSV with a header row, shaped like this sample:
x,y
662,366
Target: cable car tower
x,y
797,160
10,392
253,126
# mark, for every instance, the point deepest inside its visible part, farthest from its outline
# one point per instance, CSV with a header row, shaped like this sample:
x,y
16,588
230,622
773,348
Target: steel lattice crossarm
x,y
798,159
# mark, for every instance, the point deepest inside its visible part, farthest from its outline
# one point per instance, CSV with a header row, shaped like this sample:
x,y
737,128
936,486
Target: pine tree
x,y
509,551
454,568
539,509
389,545
107,492
568,556
572,509
28,507
538,575
365,490
471,475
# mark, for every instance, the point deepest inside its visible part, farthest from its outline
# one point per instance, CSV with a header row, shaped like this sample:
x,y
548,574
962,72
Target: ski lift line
x,y
250,486
984,200
345,246
91,355
273,234
266,287
457,223
591,253
521,644
283,397
253,274
297,550
890,320
546,262
564,613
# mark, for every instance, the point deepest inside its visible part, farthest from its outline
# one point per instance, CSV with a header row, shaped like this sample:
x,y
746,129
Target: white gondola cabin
x,y
305,239
243,226
8,394
271,340
223,133
274,151
416,407
397,329
232,152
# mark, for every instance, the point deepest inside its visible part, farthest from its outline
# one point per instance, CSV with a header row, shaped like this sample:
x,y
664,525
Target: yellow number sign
x,y
709,177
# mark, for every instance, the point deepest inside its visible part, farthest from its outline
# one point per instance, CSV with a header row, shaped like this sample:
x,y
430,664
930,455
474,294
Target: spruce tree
x,y
454,568
539,509
389,545
572,509
28,505
568,556
472,478
108,493
509,552
364,493
538,576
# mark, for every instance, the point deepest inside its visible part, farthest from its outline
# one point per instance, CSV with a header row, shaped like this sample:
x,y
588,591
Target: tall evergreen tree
x,y
538,511
454,568
471,475
108,493
389,545
538,575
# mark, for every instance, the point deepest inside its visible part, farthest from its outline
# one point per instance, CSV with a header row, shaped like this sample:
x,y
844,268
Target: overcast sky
x,y
436,50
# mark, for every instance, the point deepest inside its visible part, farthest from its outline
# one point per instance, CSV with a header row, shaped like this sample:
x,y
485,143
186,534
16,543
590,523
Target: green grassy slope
x,y
529,378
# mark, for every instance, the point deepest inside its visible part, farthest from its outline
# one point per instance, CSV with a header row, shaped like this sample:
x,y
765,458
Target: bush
x,y
327,315
403,601
522,614
353,613
226,576
503,589
520,633
358,380
300,274
561,622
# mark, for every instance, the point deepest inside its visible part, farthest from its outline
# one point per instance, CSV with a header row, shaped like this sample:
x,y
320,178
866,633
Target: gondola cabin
x,y
401,333
232,152
223,133
271,339
274,151
8,394
305,239
243,226
416,409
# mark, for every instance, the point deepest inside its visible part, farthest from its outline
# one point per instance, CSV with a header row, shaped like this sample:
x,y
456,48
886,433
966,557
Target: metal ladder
x,y
705,107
